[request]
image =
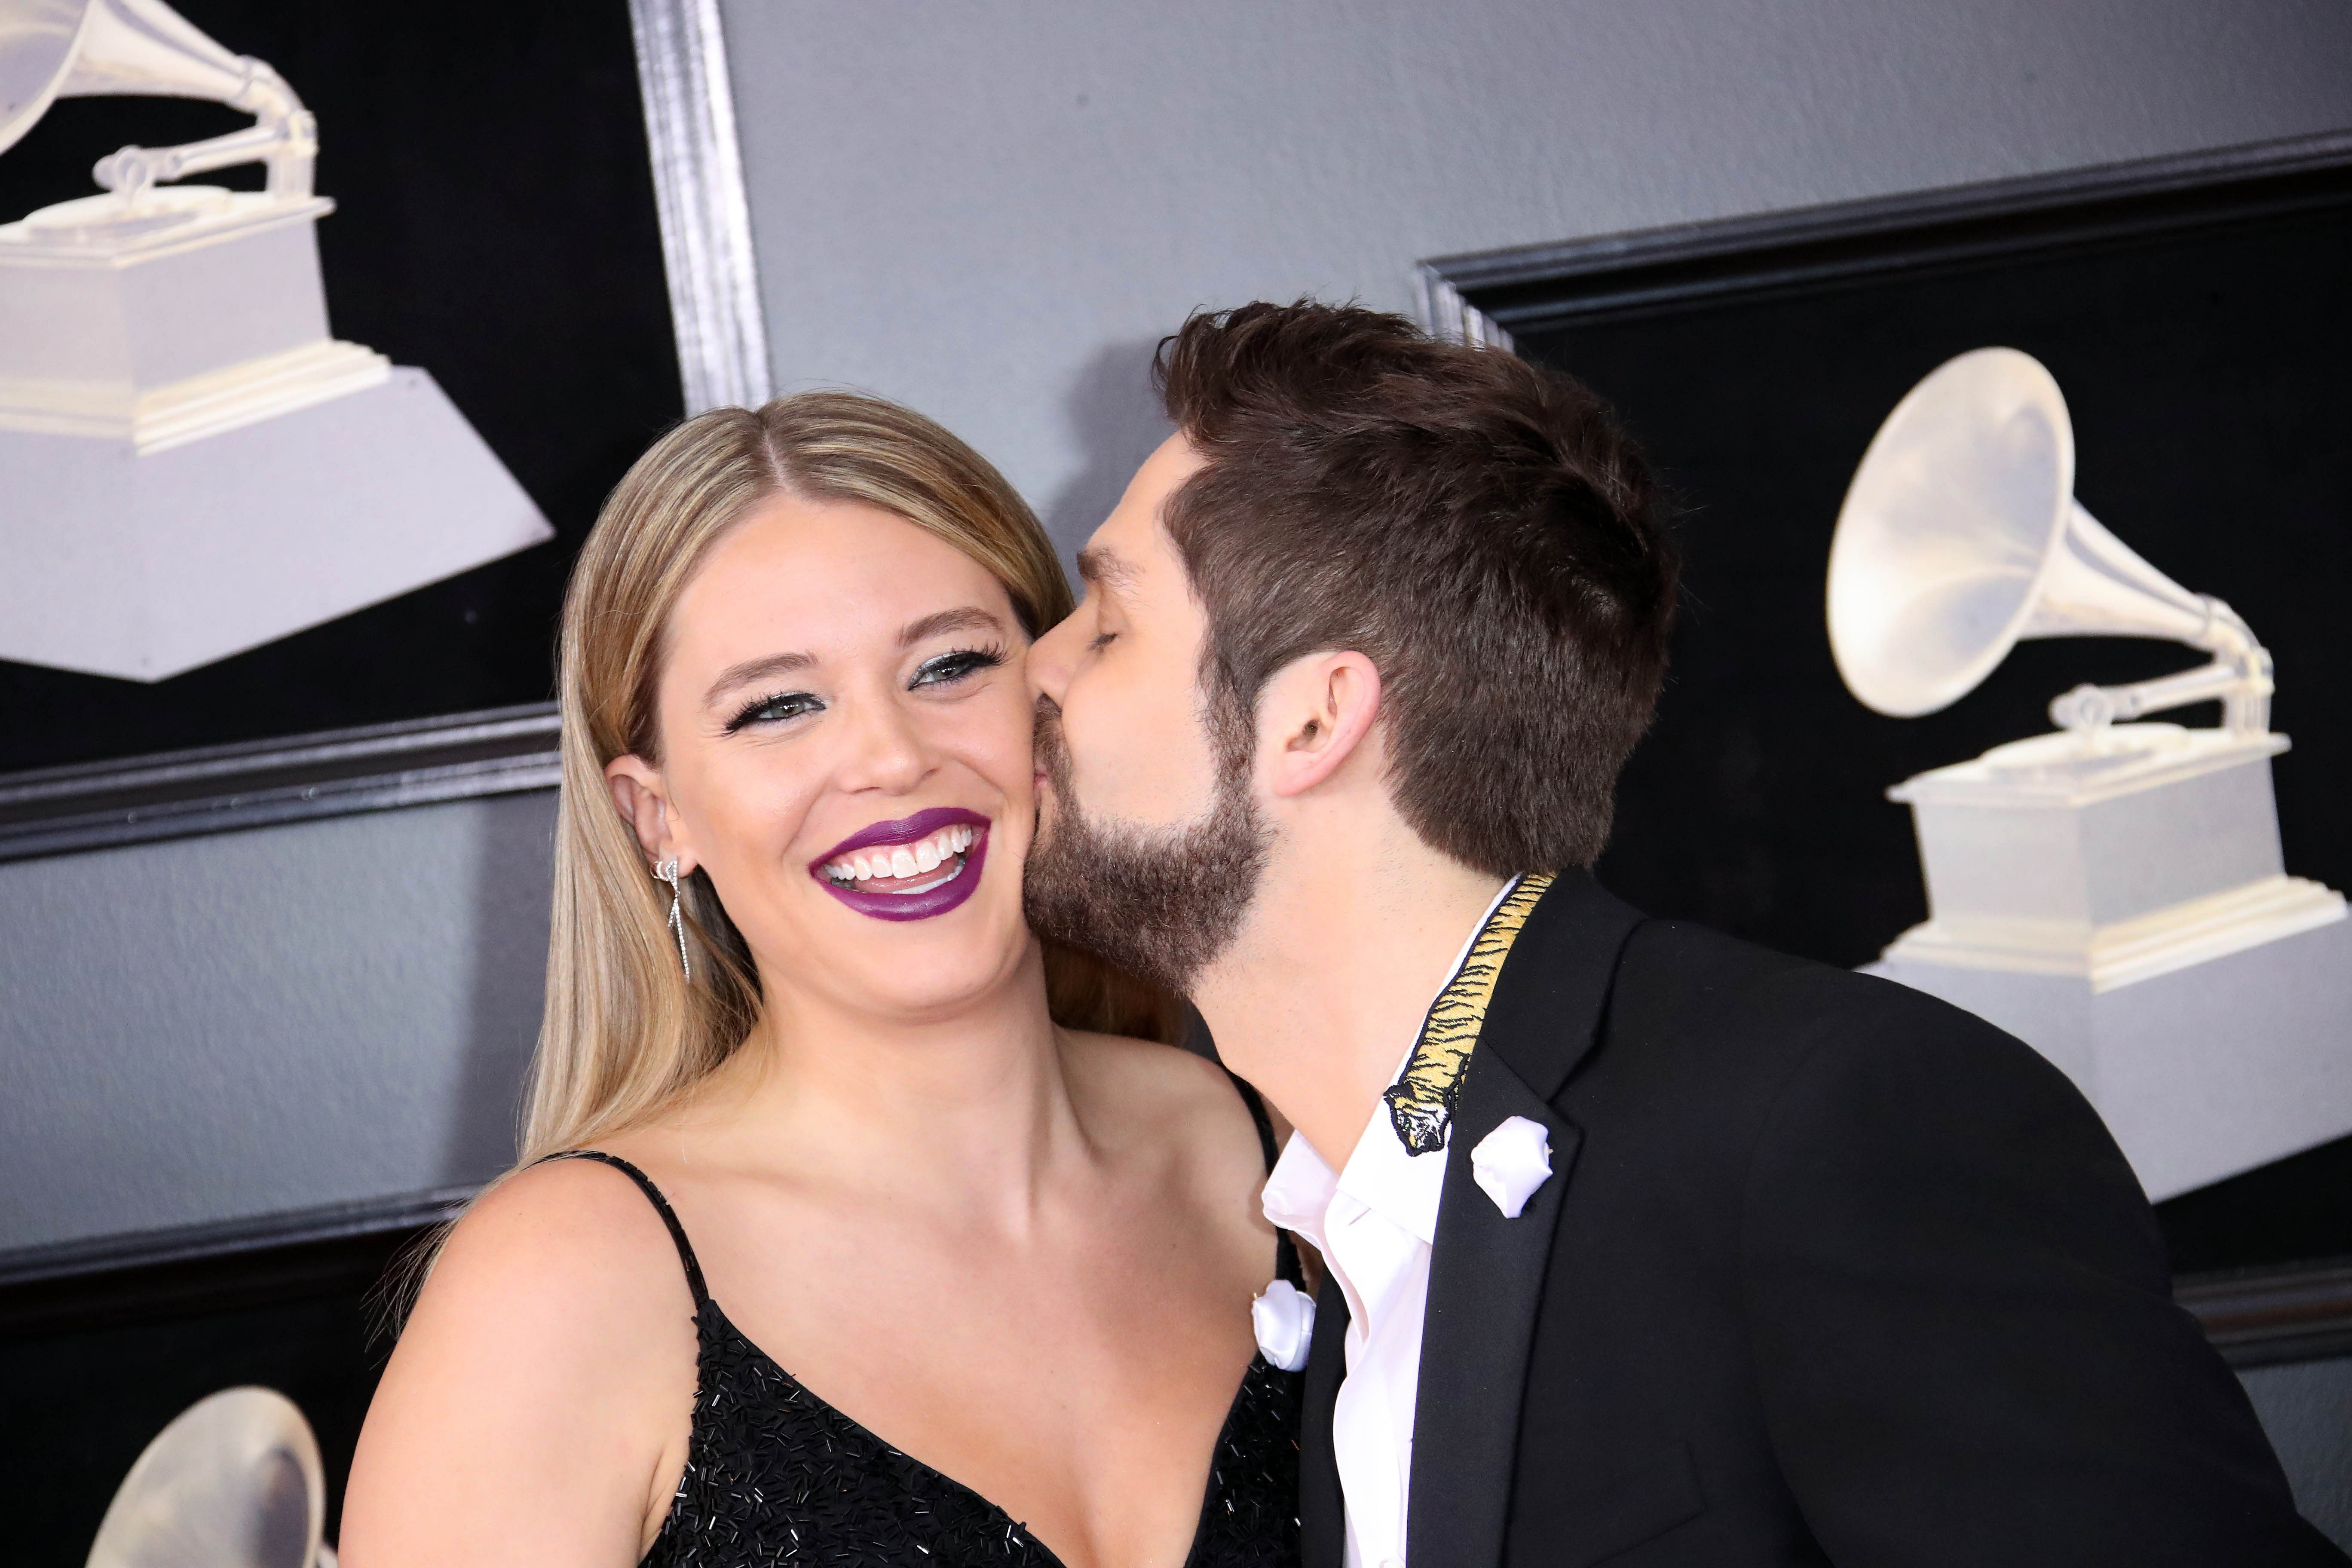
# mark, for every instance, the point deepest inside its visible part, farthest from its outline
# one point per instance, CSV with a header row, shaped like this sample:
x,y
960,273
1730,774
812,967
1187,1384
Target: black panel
x,y
2205,378
92,1367
496,226
2293,1208
2199,328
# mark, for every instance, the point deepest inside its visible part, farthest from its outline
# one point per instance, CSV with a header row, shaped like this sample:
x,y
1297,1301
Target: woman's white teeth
x,y
906,859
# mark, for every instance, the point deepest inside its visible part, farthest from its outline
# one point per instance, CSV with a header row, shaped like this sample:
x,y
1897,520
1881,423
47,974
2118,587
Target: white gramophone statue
x,y
189,464
234,1481
2114,894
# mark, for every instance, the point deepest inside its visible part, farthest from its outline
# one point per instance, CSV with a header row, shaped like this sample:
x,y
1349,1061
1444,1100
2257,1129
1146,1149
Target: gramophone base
x,y
2125,953
96,297
2088,832
2201,1071
201,405
141,566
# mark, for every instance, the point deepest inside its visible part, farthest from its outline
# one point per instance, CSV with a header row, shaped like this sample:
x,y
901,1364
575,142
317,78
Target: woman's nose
x,y
887,750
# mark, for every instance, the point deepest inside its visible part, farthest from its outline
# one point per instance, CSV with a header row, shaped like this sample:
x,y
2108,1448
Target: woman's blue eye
x,y
775,709
949,667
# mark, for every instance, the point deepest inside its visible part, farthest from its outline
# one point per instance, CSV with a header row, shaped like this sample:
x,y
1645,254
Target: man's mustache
x,y
1050,753
1046,740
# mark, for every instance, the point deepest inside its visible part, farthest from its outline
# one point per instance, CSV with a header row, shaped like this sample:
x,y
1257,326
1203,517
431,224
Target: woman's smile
x,y
910,869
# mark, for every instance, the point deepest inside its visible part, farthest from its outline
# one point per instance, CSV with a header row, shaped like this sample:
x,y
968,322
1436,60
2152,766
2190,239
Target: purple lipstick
x,y
882,870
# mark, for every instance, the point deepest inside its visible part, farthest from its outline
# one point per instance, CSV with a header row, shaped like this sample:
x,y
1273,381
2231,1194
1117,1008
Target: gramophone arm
x,y
2240,676
285,136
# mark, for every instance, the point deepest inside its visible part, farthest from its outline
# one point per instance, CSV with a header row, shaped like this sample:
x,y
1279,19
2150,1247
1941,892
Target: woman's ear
x,y
642,796
1315,715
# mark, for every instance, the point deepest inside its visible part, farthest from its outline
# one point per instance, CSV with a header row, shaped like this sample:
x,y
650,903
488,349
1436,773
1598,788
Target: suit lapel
x,y
1322,1509
1486,1280
1486,1272
1554,988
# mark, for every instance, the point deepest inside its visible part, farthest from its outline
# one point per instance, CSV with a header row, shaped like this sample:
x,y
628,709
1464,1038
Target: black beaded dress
x,y
775,1475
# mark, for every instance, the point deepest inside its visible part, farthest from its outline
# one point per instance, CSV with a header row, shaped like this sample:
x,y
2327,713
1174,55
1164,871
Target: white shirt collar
x,y
1380,1173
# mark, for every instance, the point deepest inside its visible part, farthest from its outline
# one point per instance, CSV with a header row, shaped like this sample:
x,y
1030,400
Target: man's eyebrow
x,y
753,669
1102,567
970,618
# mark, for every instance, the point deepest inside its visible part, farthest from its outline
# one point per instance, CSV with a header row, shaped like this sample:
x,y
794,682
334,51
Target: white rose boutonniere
x,y
1511,1162
1284,1320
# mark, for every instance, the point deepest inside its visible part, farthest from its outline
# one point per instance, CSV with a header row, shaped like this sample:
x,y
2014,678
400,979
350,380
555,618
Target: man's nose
x,y
1049,661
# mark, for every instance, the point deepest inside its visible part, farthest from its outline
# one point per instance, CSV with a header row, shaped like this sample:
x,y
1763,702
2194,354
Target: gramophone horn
x,y
72,49
37,49
1960,536
233,1482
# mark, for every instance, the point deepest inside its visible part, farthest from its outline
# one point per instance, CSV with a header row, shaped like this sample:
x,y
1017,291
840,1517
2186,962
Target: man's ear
x,y
1314,715
642,796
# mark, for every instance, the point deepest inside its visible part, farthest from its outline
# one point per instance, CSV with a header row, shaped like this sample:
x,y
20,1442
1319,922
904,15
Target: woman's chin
x,y
924,968
950,993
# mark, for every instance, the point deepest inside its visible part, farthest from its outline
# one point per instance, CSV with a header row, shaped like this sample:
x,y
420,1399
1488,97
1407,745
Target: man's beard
x,y
1160,904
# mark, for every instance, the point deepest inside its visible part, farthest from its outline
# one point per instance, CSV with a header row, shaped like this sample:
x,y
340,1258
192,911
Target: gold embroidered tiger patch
x,y
1420,1102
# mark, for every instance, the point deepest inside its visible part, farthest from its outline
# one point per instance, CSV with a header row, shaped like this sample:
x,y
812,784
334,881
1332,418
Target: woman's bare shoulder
x,y
1170,1095
540,1386
549,1275
559,1225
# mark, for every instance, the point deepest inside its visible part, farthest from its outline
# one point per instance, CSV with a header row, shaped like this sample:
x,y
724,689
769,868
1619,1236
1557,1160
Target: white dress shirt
x,y
1373,1222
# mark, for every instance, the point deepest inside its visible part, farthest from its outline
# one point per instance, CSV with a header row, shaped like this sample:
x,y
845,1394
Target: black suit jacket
x,y
1827,1271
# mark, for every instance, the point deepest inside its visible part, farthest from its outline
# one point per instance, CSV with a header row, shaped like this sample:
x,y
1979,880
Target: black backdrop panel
x,y
84,1405
495,225
93,1366
2199,323
2205,371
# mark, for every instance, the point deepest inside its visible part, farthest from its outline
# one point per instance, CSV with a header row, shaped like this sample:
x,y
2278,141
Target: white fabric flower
x,y
1511,1162
1284,1320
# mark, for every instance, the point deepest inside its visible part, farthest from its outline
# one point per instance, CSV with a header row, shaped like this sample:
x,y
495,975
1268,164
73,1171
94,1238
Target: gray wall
x,y
281,1019
991,210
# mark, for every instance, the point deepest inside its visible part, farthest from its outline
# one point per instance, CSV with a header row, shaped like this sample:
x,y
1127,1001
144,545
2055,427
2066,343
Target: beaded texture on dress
x,y
775,1475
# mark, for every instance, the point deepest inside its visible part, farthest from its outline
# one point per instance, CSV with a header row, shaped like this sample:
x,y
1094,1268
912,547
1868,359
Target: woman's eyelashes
x,y
942,670
779,708
947,668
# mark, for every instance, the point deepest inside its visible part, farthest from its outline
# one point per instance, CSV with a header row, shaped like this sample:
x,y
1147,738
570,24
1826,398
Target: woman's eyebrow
x,y
753,669
970,618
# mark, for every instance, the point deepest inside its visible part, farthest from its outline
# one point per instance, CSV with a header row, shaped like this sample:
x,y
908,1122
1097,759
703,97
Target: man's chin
x,y
1159,904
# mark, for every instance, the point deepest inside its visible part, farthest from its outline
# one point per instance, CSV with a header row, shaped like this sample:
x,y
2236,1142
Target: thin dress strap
x,y
661,1206
1286,1252
1264,1123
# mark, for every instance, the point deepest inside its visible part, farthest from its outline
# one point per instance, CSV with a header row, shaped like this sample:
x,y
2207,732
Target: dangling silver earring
x,y
668,872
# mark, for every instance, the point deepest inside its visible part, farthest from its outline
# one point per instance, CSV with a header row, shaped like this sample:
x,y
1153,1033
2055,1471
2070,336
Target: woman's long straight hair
x,y
626,1032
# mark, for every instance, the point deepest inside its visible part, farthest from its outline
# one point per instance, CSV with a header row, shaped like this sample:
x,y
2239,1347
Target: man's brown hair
x,y
1480,529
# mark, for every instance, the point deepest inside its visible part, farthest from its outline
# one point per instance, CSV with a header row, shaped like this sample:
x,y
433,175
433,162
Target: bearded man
x,y
1643,1244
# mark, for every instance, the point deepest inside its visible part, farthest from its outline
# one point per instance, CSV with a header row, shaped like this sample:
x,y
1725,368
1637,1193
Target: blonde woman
x,y
986,1263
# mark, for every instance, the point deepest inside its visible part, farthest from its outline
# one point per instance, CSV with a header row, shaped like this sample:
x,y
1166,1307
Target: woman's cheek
x,y
1013,762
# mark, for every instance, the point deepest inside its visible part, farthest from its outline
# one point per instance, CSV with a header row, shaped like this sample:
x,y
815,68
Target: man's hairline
x,y
1205,671
1213,692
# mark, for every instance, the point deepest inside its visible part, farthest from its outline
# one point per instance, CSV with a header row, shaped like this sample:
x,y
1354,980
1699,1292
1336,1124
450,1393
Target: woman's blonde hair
x,y
626,1032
